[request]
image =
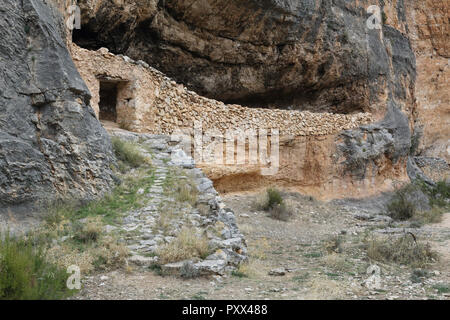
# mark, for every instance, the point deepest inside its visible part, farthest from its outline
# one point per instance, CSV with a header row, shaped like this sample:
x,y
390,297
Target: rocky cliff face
x,y
430,37
315,55
51,144
308,55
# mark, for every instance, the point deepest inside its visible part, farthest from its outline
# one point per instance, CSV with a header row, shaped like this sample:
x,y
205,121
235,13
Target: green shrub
x,y
26,275
401,207
128,152
440,194
274,198
418,275
238,274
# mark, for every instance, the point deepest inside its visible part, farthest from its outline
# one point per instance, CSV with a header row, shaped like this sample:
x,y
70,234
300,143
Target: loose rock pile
x,y
144,239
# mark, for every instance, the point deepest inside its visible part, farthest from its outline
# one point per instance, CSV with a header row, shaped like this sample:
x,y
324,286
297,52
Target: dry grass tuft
x,y
187,192
89,231
404,250
321,288
185,246
334,245
336,262
254,268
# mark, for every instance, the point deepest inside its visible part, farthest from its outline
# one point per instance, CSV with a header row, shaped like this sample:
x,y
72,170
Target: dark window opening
x,y
108,101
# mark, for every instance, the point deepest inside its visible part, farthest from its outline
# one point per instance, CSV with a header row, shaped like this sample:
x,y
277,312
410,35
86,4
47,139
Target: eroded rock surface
x,y
316,55
51,144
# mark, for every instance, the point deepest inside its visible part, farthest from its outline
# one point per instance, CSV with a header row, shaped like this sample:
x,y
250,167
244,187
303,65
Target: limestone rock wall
x,y
430,37
51,144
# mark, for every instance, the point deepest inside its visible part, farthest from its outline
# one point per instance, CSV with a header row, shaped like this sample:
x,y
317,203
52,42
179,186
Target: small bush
x,y
26,275
336,262
89,231
109,254
418,275
414,201
274,199
440,194
272,202
128,152
253,268
281,212
185,246
238,274
401,207
404,250
269,199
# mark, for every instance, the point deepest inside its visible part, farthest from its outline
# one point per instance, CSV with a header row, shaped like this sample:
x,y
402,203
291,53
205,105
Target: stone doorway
x,y
108,100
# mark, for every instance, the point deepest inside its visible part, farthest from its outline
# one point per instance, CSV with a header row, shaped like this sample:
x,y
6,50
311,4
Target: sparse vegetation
x,y
185,246
187,192
122,199
403,205
128,153
336,262
334,244
418,275
431,216
238,274
89,231
439,194
71,234
442,288
272,202
181,186
404,250
26,274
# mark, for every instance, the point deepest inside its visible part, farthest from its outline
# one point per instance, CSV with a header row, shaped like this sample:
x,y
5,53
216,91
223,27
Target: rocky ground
x,y
289,260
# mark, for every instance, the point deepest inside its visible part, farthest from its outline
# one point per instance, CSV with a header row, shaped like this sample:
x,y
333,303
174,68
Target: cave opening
x,y
108,100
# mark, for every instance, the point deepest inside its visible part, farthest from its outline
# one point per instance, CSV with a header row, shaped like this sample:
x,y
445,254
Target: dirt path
x,y
299,246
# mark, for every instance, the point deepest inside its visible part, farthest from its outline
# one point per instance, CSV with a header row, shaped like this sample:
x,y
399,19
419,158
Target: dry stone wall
x,y
157,104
